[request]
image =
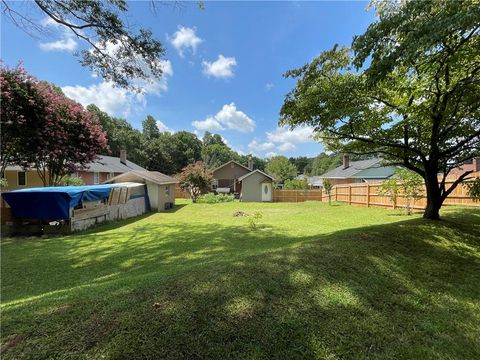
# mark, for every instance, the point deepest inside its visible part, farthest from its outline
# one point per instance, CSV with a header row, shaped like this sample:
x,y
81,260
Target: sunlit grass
x,y
312,281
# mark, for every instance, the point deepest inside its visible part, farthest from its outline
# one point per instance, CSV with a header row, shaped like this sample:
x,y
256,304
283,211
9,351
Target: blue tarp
x,y
53,203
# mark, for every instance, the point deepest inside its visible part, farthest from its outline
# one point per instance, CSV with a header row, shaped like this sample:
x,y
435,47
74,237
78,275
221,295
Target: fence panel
x,y
296,195
368,194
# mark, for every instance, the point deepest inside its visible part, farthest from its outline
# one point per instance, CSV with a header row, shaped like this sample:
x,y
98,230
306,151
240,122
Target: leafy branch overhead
x,y
115,51
408,88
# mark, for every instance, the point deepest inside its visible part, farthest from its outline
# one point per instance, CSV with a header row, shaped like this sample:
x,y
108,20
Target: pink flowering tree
x,y
196,179
45,130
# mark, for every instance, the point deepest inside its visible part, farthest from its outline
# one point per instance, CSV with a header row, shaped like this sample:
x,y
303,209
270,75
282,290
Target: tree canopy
x,y
281,169
44,130
408,89
114,49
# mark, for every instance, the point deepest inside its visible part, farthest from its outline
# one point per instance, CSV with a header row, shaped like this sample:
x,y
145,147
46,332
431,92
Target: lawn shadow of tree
x,y
397,290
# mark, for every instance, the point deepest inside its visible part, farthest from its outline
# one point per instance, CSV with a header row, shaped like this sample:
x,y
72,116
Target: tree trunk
x,y
434,196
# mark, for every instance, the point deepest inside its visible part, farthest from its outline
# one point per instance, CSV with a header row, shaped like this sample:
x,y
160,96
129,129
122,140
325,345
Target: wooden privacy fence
x,y
180,194
296,195
366,194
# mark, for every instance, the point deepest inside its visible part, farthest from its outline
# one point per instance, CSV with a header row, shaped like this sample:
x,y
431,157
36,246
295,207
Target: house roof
x,y
103,163
138,175
229,162
106,163
354,169
252,172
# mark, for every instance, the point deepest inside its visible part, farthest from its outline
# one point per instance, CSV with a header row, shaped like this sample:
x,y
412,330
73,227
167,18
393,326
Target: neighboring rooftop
x,y
230,162
473,166
353,169
103,163
106,163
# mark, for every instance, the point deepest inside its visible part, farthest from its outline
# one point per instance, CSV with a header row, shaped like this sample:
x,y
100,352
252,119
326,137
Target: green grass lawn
x,y
313,281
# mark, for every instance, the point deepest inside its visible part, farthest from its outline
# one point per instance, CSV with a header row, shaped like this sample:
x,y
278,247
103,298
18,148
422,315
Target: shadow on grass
x,y
407,289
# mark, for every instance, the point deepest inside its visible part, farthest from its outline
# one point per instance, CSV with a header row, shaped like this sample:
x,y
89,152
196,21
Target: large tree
x,y
214,155
113,48
408,88
44,130
281,169
121,136
150,128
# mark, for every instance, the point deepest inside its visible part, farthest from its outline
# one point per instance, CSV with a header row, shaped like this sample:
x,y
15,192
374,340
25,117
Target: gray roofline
x,y
251,172
228,162
352,165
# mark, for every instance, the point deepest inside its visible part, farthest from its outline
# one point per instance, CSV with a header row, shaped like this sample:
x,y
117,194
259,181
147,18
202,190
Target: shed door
x,y
266,192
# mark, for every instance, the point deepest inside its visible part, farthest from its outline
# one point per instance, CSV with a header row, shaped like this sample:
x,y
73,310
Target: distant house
x,y
314,182
98,171
371,170
107,167
242,181
473,166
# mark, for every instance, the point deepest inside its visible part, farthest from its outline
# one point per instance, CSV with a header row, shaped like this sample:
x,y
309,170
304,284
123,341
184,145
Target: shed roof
x,y
354,168
252,172
137,175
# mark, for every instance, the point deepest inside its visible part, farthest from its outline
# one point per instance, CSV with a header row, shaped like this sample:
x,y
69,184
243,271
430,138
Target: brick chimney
x,y
250,163
476,163
123,157
346,161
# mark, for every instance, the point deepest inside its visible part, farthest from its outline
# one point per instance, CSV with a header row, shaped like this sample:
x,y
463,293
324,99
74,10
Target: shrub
x,y
253,220
212,198
405,183
473,188
296,184
327,187
72,181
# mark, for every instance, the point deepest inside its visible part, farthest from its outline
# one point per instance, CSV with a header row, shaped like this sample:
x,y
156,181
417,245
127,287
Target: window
x,y
96,177
167,191
214,184
110,175
21,178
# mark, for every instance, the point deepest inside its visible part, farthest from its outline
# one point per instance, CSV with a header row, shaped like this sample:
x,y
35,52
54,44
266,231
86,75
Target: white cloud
x,y
60,45
298,135
210,123
286,147
164,128
185,38
269,86
119,101
111,99
282,140
257,146
220,68
66,43
227,118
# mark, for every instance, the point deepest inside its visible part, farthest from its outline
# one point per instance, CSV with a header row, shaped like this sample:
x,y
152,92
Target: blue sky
x,y
223,66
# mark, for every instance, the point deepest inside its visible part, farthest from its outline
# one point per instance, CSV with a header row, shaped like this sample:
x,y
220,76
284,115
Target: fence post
x,y
349,194
296,196
336,190
368,194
